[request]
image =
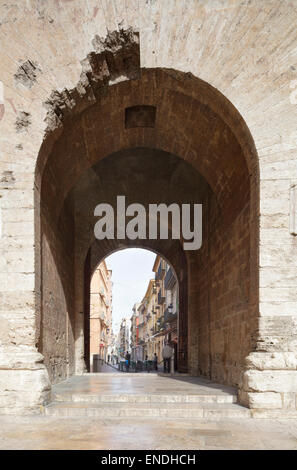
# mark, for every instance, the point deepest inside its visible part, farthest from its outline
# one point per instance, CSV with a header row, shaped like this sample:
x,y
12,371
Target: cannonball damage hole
x,y
140,116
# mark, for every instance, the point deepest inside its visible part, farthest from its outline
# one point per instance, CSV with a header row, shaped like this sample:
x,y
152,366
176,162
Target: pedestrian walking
x,y
155,362
167,354
146,363
128,358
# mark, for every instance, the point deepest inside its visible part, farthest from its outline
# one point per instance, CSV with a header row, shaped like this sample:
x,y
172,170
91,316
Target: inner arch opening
x,y
134,310
197,149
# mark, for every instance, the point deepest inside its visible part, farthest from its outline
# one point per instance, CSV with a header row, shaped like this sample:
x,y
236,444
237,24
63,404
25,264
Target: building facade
x,y
123,340
111,349
157,314
146,322
167,306
100,313
134,332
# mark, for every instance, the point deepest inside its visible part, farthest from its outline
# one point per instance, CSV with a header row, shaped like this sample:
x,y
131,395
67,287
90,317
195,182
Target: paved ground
x,y
109,369
46,432
139,383
51,432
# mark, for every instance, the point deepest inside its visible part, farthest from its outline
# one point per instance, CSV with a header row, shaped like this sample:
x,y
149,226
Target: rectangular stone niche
x,y
140,116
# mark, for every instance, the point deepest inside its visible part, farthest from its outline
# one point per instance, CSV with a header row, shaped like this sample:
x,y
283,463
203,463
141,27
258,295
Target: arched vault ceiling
x,y
184,125
142,175
245,49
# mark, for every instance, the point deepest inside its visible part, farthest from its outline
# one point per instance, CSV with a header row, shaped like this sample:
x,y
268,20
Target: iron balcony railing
x,y
161,297
161,271
169,280
168,316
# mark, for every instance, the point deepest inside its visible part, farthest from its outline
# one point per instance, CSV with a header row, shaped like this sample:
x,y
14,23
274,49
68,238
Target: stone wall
x,y
56,339
42,47
223,318
233,321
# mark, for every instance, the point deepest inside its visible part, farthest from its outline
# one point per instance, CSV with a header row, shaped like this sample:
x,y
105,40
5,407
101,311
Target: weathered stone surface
x,y
27,73
22,122
149,57
22,359
116,58
272,361
24,390
270,381
262,401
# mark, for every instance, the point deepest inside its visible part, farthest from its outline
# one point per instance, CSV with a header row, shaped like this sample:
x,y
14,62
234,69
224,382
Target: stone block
x,y
264,400
270,381
23,391
272,361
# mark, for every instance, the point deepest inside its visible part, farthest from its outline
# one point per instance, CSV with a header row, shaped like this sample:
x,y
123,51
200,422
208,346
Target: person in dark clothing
x,y
128,358
146,362
155,362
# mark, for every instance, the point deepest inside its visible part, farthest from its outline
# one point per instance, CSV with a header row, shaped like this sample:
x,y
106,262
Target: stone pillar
x,y
270,378
24,383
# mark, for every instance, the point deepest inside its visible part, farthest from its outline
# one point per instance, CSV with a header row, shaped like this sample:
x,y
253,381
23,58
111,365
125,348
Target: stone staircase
x,y
165,399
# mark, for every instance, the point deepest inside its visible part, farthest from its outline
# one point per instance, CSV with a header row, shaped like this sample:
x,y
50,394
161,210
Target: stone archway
x,y
42,51
177,260
205,153
127,173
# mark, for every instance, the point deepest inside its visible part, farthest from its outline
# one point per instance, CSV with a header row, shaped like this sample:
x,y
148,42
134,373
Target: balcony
x,y
161,271
168,316
102,316
160,325
156,329
169,280
103,336
161,298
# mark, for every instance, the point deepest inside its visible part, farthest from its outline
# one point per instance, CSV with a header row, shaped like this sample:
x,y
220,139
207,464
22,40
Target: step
x,y
145,398
134,374
143,410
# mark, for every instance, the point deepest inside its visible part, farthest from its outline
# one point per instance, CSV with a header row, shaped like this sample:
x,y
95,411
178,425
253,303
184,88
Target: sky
x,y
131,272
